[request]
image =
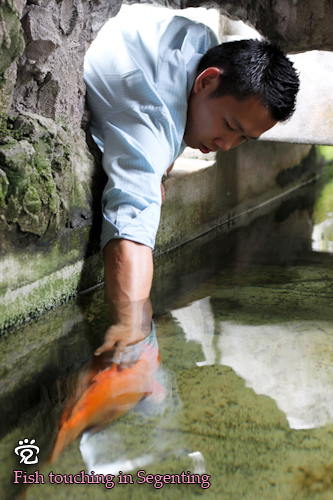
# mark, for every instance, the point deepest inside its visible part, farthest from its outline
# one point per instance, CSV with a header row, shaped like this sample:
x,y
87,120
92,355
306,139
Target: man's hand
x,y
162,192
128,278
134,324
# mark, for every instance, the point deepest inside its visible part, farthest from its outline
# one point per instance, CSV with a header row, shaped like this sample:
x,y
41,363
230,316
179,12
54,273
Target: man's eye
x,y
228,126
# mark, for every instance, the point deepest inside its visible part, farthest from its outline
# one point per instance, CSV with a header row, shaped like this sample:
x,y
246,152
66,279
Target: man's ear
x,y
208,80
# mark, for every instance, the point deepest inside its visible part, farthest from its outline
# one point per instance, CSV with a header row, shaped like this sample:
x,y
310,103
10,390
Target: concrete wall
x,y
295,25
200,195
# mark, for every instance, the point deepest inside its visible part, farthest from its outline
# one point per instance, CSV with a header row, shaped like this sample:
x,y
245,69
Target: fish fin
x,y
66,414
84,379
109,370
156,392
66,435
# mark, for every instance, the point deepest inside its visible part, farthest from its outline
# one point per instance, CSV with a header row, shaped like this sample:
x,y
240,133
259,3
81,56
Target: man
x,y
152,91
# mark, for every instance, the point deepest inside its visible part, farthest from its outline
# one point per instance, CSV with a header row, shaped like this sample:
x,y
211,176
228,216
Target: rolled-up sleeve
x,y
136,154
139,140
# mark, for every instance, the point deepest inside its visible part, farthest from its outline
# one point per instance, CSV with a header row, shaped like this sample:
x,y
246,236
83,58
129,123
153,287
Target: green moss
x,y
21,127
326,152
3,187
324,204
13,209
32,197
31,201
3,124
12,44
15,156
40,195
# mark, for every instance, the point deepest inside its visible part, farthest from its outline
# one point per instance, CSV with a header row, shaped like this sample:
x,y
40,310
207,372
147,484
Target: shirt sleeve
x,y
137,152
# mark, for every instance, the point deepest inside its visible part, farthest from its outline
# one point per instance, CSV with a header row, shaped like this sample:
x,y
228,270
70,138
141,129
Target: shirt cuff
x,y
141,229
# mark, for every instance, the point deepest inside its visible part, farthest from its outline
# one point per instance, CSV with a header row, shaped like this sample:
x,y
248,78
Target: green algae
x,y
249,450
326,152
43,197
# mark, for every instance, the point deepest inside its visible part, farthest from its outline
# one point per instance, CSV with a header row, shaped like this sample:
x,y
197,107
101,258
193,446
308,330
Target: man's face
x,y
223,122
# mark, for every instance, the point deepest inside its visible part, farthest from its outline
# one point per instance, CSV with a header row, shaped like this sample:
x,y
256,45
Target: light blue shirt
x,y
138,83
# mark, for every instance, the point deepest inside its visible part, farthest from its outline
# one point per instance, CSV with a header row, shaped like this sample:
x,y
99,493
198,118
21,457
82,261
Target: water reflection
x,y
197,322
322,235
290,363
289,360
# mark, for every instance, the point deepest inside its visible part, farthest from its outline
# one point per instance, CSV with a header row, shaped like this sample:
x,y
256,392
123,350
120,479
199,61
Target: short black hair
x,y
255,68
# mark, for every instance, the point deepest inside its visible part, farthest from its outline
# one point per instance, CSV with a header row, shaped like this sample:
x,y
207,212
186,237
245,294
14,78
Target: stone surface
x,y
11,40
50,71
48,175
312,122
295,25
49,181
201,194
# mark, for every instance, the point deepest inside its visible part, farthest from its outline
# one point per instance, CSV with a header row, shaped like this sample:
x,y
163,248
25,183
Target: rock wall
x,y
45,165
296,25
49,180
47,78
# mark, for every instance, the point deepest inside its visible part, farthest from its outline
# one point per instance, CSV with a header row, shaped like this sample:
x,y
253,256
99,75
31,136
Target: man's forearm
x,y
128,278
128,270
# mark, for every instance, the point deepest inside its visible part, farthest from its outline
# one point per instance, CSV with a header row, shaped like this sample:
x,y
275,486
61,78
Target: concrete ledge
x,y
200,196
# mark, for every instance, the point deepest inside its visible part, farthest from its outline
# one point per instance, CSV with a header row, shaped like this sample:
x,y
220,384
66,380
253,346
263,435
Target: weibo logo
x,y
27,451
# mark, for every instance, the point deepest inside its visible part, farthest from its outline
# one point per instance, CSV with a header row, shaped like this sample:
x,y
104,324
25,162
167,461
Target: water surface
x,y
244,326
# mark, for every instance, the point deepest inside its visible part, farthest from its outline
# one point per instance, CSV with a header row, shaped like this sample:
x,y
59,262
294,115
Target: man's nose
x,y
224,143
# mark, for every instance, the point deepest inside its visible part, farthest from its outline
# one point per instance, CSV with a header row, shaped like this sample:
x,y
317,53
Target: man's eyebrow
x,y
239,126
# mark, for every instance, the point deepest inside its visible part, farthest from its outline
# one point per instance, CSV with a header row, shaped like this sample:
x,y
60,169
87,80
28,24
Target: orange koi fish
x,y
112,392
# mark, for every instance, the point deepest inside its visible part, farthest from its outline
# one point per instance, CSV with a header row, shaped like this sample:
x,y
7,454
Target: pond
x,y
244,405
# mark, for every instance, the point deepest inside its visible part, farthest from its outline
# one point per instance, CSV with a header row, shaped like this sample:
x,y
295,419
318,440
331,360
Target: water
x,y
244,326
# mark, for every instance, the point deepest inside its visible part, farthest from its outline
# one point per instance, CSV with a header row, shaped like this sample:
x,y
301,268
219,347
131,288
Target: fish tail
x,y
66,435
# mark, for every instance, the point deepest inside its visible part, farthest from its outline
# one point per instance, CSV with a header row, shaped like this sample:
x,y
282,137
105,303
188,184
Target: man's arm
x,y
128,276
128,268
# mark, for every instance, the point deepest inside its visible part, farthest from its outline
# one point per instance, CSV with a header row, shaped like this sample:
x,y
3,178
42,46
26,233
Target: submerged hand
x,y
118,337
